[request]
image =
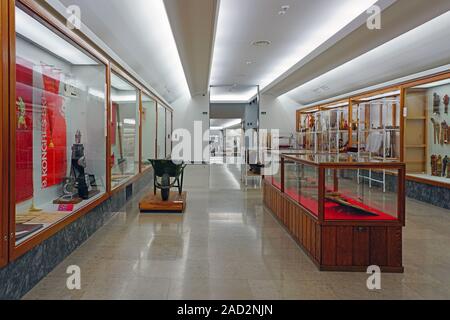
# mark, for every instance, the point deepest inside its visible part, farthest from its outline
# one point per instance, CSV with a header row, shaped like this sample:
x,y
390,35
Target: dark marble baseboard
x,y
20,276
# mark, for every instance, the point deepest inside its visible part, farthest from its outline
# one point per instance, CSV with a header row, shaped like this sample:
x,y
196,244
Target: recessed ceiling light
x,y
261,43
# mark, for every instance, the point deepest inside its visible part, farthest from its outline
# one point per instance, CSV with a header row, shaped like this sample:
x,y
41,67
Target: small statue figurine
x,y
444,166
21,119
436,103
433,165
79,166
446,101
439,166
436,130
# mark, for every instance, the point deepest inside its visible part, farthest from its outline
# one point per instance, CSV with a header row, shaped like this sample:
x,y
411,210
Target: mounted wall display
x,y
427,132
125,119
59,127
148,130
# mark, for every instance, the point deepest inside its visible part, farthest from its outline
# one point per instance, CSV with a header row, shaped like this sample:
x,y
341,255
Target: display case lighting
x,y
30,29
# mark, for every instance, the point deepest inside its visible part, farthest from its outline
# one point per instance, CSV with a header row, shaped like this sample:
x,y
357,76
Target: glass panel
x,y
124,130
351,195
60,128
308,179
427,131
379,128
168,134
148,130
161,132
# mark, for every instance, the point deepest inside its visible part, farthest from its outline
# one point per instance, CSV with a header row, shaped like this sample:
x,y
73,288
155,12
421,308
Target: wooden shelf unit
x,y
415,130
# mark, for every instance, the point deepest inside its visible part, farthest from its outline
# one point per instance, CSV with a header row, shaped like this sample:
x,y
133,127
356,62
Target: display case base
x,y
341,246
153,203
76,199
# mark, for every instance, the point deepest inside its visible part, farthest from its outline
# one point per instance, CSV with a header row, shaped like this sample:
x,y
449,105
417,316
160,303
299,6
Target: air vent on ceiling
x,y
261,43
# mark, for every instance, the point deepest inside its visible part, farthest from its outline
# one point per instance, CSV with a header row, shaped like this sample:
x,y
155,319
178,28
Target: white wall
x,y
280,113
187,110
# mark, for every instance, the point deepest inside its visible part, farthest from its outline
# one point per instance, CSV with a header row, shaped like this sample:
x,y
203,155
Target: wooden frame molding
x,y
4,141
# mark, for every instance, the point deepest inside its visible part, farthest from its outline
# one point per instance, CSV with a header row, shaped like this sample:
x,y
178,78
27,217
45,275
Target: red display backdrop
x,y
24,131
54,130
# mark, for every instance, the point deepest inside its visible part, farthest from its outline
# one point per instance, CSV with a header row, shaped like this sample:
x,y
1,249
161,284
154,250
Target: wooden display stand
x,y
338,246
154,203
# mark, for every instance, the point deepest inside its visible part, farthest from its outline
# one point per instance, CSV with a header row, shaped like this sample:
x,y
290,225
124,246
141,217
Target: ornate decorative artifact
x,y
436,130
433,165
446,101
444,166
439,166
444,133
79,166
436,103
339,199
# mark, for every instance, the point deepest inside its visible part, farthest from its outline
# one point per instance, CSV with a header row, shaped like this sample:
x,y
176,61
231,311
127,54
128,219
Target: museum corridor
x,y
227,246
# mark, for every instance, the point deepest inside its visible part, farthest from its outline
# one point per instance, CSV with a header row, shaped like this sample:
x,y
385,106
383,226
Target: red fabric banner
x,y
24,131
54,130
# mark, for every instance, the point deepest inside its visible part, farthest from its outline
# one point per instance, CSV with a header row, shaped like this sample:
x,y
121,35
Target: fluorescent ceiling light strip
x,y
343,104
383,95
125,98
163,41
433,84
31,29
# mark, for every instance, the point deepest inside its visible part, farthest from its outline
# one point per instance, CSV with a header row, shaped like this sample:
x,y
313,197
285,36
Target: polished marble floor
x,y
227,246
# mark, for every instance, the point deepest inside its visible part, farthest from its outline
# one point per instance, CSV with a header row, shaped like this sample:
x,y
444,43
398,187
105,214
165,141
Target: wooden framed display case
x,y
148,129
342,224
325,128
377,118
36,80
426,130
44,92
125,127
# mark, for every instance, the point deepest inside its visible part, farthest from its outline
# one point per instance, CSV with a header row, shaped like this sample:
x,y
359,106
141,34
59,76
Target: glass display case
x,y
161,141
60,127
148,130
328,187
343,223
426,133
272,165
378,126
124,130
325,128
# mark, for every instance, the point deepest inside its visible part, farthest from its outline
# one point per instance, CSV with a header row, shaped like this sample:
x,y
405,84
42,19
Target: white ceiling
x,y
417,50
141,35
306,25
233,93
205,42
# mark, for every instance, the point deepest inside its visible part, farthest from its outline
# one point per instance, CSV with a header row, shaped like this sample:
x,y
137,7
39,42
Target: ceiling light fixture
x,y
31,29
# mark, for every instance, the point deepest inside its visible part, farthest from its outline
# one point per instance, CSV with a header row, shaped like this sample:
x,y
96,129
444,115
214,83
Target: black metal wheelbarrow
x,y
167,175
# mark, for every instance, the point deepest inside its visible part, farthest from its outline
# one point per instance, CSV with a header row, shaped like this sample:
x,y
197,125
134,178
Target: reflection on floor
x,y
227,246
